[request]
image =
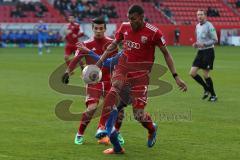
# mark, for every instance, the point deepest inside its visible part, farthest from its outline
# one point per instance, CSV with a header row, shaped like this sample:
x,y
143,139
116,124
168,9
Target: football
x,y
91,74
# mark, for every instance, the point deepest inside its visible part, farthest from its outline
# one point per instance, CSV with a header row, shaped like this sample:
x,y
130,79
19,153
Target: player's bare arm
x,y
170,64
82,48
71,67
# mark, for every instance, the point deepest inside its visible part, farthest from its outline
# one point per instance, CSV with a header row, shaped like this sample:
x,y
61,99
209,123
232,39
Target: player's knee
x,y
138,114
117,86
92,106
125,95
66,58
192,73
138,117
206,74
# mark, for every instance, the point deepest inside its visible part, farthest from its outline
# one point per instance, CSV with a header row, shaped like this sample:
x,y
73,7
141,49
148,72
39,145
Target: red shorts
x,y
95,91
139,96
70,49
138,81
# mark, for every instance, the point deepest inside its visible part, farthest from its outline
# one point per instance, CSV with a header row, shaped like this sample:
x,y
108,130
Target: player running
x,y
206,38
94,91
42,30
139,41
72,35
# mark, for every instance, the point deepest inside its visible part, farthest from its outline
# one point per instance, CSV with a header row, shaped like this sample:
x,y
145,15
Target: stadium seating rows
x,y
232,3
183,12
52,15
150,11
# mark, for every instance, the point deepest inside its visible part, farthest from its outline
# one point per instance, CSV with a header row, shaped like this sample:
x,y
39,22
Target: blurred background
x,y
177,19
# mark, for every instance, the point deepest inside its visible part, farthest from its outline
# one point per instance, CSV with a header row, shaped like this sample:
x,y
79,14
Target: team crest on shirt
x,y
144,39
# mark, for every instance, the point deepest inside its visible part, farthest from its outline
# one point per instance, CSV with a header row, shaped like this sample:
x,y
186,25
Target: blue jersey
x,y
42,32
109,62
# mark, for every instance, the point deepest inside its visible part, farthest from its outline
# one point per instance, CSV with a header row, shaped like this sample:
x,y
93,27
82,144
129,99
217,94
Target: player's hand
x,y
81,47
195,45
65,78
200,45
74,35
181,84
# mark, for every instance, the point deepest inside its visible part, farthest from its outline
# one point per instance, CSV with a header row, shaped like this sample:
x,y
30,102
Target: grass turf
x,y
189,128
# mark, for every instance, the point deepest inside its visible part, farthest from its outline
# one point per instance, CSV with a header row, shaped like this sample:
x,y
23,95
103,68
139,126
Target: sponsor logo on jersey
x,y
131,44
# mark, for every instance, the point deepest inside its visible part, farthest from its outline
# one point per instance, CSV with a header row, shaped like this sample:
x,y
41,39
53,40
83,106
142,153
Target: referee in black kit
x,y
206,38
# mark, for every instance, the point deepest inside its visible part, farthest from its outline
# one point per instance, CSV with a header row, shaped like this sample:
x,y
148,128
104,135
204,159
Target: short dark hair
x,y
135,9
99,20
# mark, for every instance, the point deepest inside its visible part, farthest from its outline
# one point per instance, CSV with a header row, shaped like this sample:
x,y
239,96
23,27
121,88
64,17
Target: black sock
x,y
210,86
201,82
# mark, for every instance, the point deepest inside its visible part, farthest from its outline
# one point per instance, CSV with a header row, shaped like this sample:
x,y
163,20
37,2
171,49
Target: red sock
x,y
109,101
148,123
85,120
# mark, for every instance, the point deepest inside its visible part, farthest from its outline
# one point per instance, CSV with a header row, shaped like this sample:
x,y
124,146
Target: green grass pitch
x,y
30,130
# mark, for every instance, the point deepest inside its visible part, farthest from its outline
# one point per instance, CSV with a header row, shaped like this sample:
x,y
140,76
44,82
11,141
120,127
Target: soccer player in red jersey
x,y
94,92
139,41
72,35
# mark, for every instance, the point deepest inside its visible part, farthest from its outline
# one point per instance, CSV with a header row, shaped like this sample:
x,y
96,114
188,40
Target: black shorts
x,y
204,59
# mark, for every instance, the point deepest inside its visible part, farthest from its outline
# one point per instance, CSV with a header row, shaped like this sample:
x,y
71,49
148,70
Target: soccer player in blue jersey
x,y
42,29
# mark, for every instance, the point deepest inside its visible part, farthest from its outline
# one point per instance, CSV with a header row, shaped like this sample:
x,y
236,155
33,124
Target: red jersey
x,y
75,29
98,46
139,46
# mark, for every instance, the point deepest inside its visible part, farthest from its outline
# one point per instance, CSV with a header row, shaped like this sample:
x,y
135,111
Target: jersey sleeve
x,y
94,55
158,39
111,62
77,58
119,33
213,34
